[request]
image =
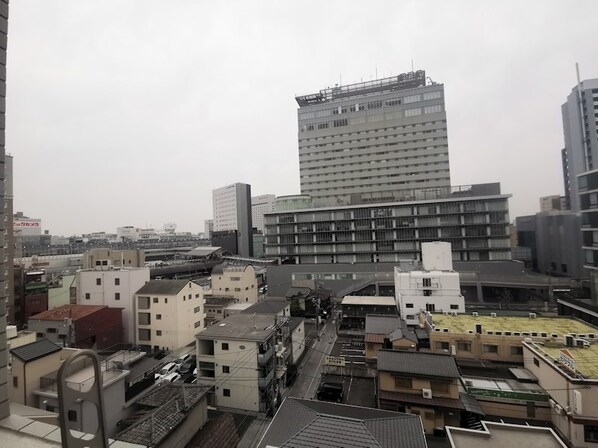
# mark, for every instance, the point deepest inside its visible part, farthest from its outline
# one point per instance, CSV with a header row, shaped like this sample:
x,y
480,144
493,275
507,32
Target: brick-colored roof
x,y
72,311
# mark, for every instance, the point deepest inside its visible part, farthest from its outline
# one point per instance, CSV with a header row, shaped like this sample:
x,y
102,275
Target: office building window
x,y
158,332
155,300
117,282
226,392
98,281
590,433
117,296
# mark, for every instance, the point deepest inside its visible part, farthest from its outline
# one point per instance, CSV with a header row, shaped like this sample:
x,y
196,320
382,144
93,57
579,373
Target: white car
x,y
195,372
167,369
183,358
170,378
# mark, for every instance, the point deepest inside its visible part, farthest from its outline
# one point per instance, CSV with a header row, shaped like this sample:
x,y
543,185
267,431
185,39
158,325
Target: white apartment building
x,y
131,233
260,205
169,313
235,281
232,211
436,288
237,357
115,288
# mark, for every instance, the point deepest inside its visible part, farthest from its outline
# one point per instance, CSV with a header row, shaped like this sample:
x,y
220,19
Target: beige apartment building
x,y
237,358
169,313
493,337
109,259
568,370
239,282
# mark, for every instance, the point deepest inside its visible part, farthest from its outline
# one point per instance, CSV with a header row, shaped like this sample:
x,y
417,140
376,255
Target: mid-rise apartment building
x,y
169,313
260,205
436,288
107,259
237,358
373,141
232,212
473,219
114,288
580,128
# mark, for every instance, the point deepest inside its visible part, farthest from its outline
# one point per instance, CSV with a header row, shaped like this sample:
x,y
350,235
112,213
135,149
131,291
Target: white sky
x,y
130,112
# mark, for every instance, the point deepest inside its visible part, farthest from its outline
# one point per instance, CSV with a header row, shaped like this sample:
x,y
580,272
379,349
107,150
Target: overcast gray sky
x,y
130,112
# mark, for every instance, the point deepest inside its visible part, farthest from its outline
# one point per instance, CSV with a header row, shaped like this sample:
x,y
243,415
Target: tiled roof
x,y
163,287
418,363
35,350
392,327
307,424
173,403
71,311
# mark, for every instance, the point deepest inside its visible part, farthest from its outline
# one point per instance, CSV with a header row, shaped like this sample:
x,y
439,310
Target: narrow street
x,y
308,378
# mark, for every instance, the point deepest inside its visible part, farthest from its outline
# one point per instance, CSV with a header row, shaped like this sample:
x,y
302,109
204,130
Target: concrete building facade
x,y
238,281
373,141
114,288
169,314
474,219
435,289
551,203
9,235
237,357
105,259
260,205
580,129
208,225
232,211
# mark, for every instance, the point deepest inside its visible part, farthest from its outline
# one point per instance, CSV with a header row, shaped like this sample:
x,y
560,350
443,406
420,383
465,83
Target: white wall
x,y
298,338
105,293
444,293
437,256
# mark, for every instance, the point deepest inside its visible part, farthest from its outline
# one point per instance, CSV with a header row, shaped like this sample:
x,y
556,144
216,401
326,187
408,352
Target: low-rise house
x,y
80,326
308,423
427,384
235,308
169,416
354,309
239,281
504,435
387,332
274,306
169,314
237,358
496,337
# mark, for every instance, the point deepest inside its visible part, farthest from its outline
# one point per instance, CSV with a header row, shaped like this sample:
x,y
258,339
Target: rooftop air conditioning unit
x,y
569,340
454,313
581,343
475,314
492,314
532,315
427,393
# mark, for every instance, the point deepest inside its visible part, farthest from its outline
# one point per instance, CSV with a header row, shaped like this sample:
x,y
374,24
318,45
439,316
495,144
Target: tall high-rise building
x,y
4,411
208,225
232,212
373,141
580,128
9,235
260,205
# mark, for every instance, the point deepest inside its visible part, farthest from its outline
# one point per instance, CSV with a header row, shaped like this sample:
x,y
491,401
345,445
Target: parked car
x,y
187,366
183,358
170,378
167,369
330,392
195,372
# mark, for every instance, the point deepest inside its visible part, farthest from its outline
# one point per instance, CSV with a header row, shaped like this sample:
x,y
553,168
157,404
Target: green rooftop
x,y
464,323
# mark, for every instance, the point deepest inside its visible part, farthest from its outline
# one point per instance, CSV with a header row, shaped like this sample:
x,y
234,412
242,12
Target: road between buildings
x,y
308,376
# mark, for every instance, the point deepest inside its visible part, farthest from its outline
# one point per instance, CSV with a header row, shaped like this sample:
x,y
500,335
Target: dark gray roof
x,y
307,424
297,290
35,350
164,287
268,306
294,322
391,326
256,328
418,363
172,403
218,300
142,366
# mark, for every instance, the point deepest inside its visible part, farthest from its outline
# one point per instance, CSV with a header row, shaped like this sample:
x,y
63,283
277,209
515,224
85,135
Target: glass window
x,y
490,348
224,346
226,392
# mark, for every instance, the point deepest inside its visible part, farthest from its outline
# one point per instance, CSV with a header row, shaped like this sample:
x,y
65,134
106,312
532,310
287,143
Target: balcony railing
x,y
263,382
263,358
